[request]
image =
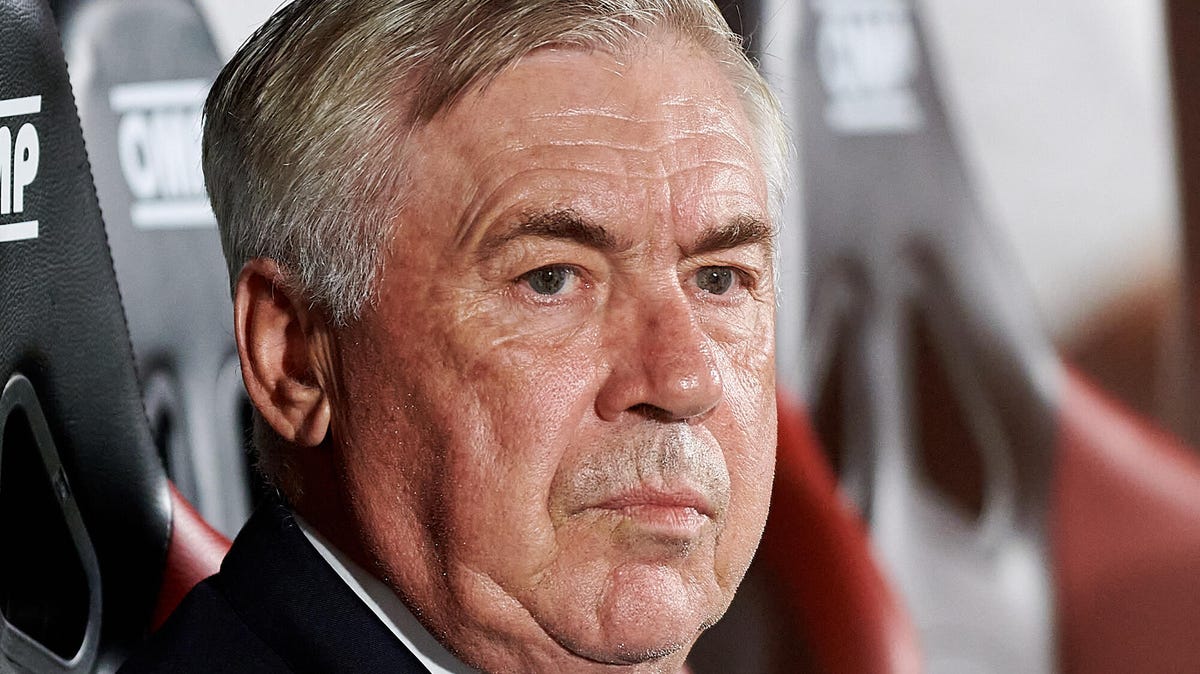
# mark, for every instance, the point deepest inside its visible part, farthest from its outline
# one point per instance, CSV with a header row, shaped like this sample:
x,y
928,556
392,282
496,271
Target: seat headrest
x,y
140,72
64,332
929,371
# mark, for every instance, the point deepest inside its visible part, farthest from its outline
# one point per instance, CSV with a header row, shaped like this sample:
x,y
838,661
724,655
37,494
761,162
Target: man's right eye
x,y
552,280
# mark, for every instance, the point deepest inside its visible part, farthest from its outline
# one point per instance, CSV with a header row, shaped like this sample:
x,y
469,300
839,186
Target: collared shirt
x,y
385,604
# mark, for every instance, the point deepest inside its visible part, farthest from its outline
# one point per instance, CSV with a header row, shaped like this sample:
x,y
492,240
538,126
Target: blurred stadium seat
x,y
141,72
85,507
997,484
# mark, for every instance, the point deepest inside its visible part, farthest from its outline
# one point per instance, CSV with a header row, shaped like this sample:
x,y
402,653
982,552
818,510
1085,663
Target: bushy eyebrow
x,y
563,224
743,230
568,225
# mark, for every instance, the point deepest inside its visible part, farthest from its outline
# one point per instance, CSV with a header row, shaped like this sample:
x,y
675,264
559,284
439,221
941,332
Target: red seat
x,y
1125,528
817,551
194,553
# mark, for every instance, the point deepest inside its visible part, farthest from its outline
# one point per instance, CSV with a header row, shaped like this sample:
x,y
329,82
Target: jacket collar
x,y
299,607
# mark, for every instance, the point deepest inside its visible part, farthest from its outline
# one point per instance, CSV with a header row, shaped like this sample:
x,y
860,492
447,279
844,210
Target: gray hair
x,y
306,128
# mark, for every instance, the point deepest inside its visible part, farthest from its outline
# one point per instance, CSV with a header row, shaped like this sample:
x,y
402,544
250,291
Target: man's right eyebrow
x,y
562,224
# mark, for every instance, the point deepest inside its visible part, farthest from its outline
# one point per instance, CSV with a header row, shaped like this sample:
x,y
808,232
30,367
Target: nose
x,y
662,364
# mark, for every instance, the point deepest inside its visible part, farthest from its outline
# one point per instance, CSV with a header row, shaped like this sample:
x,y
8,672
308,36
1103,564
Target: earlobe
x,y
278,337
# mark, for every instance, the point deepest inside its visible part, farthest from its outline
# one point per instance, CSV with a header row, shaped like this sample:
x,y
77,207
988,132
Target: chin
x,y
637,648
648,612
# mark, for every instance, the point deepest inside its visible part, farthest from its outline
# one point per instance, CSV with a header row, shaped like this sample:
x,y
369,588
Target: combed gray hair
x,y
305,131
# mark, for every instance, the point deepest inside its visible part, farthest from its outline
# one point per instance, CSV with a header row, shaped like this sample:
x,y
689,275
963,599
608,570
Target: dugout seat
x,y
816,551
88,519
815,599
140,72
1031,524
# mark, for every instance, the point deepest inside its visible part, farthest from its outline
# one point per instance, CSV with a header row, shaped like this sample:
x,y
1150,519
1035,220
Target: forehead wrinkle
x,y
719,177
619,167
728,134
655,142
499,156
668,144
714,163
663,159
715,118
617,146
602,113
695,118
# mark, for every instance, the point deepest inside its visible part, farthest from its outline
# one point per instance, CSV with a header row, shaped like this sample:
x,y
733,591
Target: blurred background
x,y
987,333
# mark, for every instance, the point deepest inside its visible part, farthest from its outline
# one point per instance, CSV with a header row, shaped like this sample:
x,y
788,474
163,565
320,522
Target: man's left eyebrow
x,y
743,230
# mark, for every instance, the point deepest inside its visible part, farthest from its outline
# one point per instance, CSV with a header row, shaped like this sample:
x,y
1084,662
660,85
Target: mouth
x,y
679,513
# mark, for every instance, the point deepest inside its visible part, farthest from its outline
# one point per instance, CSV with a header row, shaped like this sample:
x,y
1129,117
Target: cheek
x,y
747,430
458,445
748,369
526,402
751,475
752,469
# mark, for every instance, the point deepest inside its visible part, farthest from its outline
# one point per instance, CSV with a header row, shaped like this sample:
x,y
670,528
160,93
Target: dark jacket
x,y
275,606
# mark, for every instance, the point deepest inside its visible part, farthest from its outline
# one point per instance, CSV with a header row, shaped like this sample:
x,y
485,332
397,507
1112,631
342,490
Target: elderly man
x,y
503,278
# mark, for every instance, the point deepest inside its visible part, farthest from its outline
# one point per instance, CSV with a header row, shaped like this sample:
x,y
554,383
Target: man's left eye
x,y
715,280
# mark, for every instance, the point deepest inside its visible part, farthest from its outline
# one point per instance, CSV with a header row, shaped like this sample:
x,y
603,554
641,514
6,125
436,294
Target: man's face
x,y
557,425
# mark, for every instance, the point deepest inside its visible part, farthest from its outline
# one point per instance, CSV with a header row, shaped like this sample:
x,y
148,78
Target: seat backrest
x,y
84,502
931,381
815,599
140,72
844,609
1031,523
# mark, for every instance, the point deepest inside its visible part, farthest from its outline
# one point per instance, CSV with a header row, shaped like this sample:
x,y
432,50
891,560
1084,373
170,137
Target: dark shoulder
x,y
205,635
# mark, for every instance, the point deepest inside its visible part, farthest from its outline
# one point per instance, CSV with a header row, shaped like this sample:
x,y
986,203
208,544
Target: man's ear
x,y
283,346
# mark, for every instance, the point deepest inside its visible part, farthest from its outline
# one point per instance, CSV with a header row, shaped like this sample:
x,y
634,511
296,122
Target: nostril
x,y
652,412
661,414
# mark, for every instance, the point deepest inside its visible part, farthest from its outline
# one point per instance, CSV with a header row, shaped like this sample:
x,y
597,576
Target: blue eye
x,y
549,280
715,280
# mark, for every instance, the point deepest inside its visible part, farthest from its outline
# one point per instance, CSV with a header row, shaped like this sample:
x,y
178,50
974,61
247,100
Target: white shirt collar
x,y
385,604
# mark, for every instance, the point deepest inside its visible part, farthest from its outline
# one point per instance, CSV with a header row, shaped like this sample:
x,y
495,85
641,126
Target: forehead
x,y
654,84
576,126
